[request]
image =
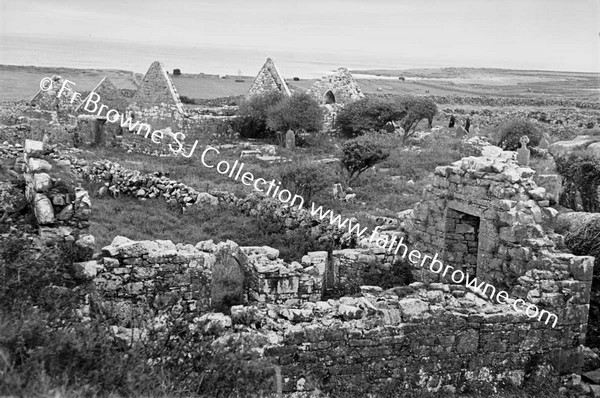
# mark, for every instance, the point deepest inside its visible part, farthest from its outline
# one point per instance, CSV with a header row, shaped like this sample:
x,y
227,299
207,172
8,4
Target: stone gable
x,y
338,88
48,100
110,96
268,79
157,102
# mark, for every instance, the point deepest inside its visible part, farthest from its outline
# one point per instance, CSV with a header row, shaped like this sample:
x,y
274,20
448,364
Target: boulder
x,y
214,322
86,270
44,212
350,312
38,165
206,198
85,247
42,182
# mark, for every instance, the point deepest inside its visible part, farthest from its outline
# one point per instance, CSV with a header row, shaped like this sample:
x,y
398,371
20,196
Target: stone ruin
x,y
92,128
268,79
337,88
483,215
157,102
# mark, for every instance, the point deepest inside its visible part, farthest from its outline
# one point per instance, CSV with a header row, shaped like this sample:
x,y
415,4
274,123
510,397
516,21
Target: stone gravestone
x,y
523,153
544,142
460,132
290,139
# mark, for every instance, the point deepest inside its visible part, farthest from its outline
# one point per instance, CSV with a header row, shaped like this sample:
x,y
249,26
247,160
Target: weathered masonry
x,y
268,79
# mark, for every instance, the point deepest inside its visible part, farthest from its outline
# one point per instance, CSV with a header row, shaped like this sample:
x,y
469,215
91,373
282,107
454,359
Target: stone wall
x,y
59,208
268,79
337,88
121,181
139,280
419,338
486,217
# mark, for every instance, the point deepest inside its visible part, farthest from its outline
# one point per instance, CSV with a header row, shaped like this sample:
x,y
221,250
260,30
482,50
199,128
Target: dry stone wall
x,y
60,209
413,339
121,181
139,280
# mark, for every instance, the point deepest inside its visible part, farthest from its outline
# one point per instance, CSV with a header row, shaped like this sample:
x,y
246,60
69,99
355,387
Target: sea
x,y
94,53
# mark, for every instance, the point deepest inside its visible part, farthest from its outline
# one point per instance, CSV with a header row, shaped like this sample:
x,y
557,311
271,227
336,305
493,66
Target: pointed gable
x,y
110,96
48,100
157,88
268,79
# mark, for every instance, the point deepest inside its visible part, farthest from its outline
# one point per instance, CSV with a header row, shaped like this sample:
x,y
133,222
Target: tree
x,y
368,114
510,132
359,154
252,122
415,110
300,112
305,179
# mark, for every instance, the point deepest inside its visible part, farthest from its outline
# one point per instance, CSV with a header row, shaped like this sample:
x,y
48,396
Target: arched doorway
x,y
329,98
228,282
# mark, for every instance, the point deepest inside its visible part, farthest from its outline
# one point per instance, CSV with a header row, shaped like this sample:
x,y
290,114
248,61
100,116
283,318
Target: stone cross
x,y
523,152
290,139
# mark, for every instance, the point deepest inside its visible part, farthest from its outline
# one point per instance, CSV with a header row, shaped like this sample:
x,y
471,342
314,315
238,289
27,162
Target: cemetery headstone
x,y
523,152
460,132
290,139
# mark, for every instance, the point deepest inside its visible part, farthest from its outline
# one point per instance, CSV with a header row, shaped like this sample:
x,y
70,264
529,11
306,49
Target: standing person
x,y
468,124
452,121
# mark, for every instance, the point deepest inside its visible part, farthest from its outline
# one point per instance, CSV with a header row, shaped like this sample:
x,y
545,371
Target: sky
x,y
519,34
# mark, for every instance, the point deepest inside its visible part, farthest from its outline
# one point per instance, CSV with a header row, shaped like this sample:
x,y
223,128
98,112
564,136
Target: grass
x,y
154,219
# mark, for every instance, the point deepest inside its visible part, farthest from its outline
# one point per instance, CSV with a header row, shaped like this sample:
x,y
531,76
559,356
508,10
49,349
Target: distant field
x,y
485,81
22,82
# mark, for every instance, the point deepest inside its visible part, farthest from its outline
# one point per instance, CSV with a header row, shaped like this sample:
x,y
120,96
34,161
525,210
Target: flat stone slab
x,y
593,376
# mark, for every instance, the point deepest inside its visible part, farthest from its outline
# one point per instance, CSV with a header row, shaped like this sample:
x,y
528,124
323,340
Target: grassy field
x,y
22,82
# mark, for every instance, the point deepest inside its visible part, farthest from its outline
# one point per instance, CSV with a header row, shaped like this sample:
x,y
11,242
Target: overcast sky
x,y
543,34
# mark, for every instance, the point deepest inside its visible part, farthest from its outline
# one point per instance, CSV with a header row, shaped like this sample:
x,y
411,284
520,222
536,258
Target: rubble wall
x,y
55,203
420,338
139,280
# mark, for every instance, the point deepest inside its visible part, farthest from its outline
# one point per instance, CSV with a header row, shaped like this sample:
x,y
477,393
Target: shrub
x,y
359,154
581,174
187,100
367,114
510,132
415,109
253,111
305,179
300,112
399,274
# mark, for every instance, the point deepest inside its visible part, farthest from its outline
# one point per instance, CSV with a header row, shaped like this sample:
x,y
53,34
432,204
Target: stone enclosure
x,y
483,215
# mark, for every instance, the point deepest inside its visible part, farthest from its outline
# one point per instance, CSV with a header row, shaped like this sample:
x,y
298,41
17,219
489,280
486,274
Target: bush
x,y
359,154
253,111
581,175
187,100
367,114
400,274
509,134
300,112
415,109
305,179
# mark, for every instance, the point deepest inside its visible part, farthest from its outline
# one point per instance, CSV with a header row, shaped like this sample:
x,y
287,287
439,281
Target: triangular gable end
x,y
109,94
269,78
48,100
157,87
